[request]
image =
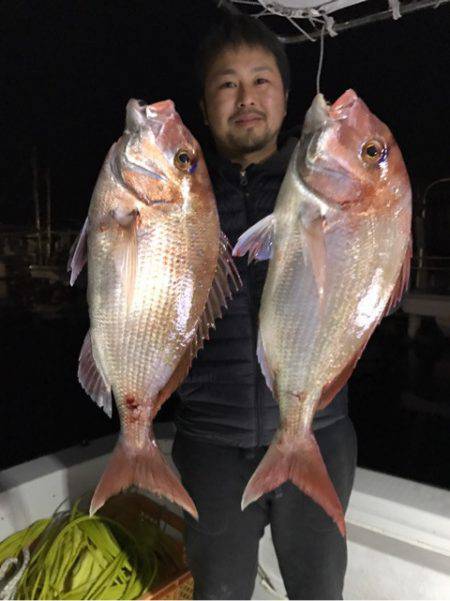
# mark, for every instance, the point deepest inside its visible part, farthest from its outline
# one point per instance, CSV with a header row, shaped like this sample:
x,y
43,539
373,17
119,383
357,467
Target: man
x,y
227,416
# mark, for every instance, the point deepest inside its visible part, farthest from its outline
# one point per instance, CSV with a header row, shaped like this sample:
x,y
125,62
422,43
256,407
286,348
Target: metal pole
x,y
381,16
37,211
49,215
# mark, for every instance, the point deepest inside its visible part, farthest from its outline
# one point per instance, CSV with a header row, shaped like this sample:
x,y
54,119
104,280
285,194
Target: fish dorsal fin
x,y
91,379
257,240
226,278
78,253
401,284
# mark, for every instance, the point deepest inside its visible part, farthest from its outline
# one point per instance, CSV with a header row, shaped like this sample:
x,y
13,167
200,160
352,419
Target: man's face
x,y
244,100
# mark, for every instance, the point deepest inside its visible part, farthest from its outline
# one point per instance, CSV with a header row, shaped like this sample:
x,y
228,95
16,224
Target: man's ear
x,y
204,113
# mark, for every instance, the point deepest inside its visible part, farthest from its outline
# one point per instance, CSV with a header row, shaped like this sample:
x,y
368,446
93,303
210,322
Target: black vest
x,y
224,398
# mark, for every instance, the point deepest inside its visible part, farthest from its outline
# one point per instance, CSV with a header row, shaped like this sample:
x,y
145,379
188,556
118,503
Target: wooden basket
x,y
178,582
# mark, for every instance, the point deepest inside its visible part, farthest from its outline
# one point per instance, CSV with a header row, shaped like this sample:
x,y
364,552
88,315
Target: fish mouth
x,y
322,114
320,121
317,115
154,116
343,106
144,117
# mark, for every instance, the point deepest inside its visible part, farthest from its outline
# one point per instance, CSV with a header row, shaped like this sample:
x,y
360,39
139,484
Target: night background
x,y
67,72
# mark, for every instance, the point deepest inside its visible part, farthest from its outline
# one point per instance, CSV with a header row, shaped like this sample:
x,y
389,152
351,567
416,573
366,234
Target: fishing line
x,y
319,69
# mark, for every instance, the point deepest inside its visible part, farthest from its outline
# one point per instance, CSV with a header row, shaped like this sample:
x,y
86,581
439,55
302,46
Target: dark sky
x,y
68,69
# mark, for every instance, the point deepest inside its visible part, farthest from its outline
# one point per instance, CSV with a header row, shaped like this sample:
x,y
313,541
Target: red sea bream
x,y
339,243
159,271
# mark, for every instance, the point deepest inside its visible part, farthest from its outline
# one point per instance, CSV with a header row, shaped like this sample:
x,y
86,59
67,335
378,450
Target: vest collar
x,y
276,164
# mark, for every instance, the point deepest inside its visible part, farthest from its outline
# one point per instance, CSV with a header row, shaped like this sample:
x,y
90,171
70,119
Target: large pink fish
x,y
158,273
340,246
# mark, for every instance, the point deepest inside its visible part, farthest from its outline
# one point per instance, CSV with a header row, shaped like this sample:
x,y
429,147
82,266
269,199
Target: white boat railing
x,y
398,530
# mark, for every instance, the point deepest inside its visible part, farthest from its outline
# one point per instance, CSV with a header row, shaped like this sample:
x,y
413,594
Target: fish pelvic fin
x,y
299,460
146,468
78,253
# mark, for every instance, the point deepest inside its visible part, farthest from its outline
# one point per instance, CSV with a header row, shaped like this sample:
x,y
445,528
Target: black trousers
x,y
222,548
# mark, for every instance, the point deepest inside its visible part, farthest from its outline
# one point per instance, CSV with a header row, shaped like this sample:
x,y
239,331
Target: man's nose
x,y
245,96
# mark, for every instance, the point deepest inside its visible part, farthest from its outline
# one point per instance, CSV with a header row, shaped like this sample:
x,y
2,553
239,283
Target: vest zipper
x,y
253,319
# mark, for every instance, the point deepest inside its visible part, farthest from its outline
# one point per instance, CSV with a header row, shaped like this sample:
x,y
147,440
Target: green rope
x,y
75,556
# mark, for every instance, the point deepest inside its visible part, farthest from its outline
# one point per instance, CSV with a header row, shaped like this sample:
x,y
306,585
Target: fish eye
x,y
183,159
373,151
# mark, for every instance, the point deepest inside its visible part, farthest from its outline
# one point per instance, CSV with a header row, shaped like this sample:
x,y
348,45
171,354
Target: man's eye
x,y
261,80
227,84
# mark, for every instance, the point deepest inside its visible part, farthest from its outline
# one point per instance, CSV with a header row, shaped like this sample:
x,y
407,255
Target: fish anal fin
x,y
401,284
78,253
91,379
296,458
225,280
146,468
331,389
174,381
257,241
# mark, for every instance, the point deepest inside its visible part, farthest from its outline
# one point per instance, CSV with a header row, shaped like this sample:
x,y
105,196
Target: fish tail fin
x,y
146,468
299,460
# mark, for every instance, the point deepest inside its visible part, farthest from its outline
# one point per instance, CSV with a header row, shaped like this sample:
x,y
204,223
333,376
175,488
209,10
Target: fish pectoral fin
x,y
257,240
401,285
226,280
298,459
91,379
315,251
126,250
78,253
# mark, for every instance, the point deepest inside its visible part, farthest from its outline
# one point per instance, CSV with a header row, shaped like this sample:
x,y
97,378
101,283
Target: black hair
x,y
237,30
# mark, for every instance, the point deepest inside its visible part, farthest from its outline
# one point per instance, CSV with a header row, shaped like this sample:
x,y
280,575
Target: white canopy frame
x,y
317,14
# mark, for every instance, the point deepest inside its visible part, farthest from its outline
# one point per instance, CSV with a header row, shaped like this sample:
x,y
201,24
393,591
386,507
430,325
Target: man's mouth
x,y
247,119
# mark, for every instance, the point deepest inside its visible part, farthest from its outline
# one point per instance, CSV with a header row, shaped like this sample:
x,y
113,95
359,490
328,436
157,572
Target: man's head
x,y
244,78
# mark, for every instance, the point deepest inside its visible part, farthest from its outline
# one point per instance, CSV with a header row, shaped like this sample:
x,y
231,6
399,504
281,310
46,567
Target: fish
x,y
339,249
160,272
